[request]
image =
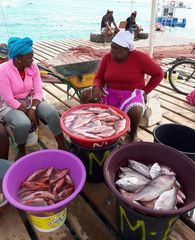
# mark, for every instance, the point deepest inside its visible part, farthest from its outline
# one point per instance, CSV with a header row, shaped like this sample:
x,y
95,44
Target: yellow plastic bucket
x,y
48,221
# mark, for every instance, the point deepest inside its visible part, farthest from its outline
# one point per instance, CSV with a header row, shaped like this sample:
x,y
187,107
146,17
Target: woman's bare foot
x,y
130,139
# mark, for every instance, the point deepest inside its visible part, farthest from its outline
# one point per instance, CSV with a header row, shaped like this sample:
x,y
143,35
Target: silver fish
x,y
167,200
155,188
140,167
155,170
132,173
131,183
149,204
167,170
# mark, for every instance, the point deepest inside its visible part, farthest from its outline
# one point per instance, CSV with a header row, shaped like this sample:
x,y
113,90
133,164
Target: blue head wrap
x,y
19,46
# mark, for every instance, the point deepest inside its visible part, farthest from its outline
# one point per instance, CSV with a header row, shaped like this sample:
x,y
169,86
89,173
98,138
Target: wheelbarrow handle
x,y
46,71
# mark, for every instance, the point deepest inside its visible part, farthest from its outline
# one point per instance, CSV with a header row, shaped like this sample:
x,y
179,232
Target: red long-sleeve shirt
x,y
130,74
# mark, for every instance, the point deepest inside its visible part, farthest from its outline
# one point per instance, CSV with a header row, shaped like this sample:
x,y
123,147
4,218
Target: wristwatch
x,y
34,107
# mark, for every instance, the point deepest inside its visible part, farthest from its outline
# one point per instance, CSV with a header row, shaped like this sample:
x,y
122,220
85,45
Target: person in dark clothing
x,y
4,141
107,21
132,26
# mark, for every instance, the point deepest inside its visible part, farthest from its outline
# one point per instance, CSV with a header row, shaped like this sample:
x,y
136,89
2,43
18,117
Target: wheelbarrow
x,y
76,76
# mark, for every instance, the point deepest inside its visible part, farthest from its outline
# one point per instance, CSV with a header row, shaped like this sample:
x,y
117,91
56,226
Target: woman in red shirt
x,y
120,79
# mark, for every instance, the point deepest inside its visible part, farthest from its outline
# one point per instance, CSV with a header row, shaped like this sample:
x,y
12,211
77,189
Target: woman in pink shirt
x,y
120,80
21,95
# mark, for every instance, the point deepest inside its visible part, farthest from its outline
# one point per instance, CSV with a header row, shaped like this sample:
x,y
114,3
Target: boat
x,y
167,14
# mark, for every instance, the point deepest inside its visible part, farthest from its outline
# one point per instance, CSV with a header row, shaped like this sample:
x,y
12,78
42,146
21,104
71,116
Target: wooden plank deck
x,y
92,215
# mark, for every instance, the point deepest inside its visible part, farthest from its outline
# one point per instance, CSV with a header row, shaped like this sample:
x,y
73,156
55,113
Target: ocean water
x,y
65,19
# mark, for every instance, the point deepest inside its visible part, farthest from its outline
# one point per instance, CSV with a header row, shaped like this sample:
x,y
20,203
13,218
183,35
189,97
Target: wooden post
x,y
152,27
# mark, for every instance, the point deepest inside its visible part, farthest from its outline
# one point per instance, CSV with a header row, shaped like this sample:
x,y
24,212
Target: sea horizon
x,y
63,19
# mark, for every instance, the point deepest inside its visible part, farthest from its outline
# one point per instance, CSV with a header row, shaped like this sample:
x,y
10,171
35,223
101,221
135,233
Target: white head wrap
x,y
124,39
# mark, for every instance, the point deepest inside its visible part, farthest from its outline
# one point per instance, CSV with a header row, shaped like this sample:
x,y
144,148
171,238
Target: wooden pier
x,y
92,215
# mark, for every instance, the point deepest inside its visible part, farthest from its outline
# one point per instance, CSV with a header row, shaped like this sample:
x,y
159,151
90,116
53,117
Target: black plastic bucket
x,y
177,136
134,221
134,225
93,160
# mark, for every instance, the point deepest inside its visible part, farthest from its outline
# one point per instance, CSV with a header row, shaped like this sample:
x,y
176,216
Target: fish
x,y
35,185
81,112
36,174
94,122
58,175
167,200
167,171
140,167
106,133
131,183
109,118
35,202
41,194
115,113
97,109
132,173
155,188
99,129
51,186
155,170
149,204
81,121
120,125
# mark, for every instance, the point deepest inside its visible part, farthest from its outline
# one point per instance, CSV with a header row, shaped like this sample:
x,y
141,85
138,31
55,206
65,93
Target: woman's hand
x,y
33,118
97,93
23,109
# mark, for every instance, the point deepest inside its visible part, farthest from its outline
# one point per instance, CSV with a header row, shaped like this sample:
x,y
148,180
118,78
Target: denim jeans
x,y
21,125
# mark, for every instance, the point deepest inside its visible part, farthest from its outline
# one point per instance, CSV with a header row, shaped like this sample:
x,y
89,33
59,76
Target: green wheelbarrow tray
x,y
77,76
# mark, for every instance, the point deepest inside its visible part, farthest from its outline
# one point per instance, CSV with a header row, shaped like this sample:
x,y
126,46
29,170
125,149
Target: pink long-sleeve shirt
x,y
12,87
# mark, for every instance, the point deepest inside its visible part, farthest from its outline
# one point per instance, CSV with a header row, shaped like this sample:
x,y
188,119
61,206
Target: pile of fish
x,y
95,122
2,199
46,186
153,186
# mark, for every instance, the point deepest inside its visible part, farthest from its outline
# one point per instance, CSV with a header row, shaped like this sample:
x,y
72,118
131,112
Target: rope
x,y
6,27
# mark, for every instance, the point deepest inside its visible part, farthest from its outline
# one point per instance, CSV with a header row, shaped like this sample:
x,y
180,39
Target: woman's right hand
x,y
23,109
98,93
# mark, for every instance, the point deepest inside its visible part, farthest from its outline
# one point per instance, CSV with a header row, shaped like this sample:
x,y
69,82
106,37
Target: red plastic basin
x,y
93,143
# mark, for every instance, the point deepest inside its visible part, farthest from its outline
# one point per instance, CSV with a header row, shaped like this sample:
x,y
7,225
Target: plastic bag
x,y
153,113
191,98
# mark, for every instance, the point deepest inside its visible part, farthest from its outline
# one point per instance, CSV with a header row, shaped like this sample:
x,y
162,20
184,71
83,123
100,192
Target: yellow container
x,y
48,221
82,81
175,76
